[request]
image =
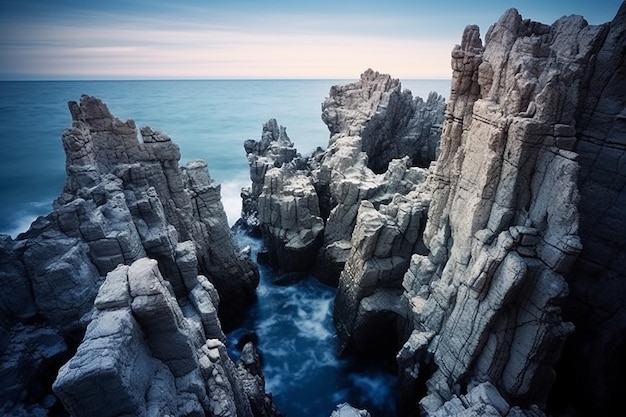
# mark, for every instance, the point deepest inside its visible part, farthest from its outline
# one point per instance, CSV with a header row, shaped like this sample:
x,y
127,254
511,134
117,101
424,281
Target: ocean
x,y
208,119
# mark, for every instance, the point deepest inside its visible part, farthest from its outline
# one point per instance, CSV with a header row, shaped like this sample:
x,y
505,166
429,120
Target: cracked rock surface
x,y
152,339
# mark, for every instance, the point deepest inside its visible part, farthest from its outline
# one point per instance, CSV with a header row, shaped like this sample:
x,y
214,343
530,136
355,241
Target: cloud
x,y
277,39
271,45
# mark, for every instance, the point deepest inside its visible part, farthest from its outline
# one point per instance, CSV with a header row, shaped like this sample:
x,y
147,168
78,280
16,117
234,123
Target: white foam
x,y
312,320
231,197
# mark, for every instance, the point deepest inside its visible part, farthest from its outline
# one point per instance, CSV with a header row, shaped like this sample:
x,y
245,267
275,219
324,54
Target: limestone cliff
x,y
158,232
522,201
282,202
381,140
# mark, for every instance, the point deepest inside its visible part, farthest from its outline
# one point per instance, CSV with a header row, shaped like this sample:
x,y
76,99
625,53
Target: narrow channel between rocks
x,y
298,344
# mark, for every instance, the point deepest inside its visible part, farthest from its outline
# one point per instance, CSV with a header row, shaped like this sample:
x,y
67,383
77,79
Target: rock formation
x,y
596,283
531,145
145,350
144,354
371,123
282,202
380,136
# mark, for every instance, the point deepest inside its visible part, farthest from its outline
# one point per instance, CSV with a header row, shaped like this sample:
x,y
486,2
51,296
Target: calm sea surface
x,y
208,120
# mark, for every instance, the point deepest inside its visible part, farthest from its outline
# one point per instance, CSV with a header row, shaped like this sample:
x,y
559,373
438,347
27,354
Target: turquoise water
x,y
208,120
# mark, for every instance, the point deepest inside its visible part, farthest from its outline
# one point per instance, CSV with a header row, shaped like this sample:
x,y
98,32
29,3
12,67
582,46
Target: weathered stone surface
x,y
111,371
346,410
29,358
597,282
124,200
273,150
289,218
282,204
375,128
142,354
503,234
17,304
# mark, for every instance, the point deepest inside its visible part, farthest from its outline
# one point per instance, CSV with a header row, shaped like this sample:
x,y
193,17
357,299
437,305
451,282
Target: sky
x,y
205,39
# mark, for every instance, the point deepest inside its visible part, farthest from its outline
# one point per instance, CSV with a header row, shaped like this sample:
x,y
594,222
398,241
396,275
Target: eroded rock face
x,y
282,203
124,200
273,150
503,233
380,135
127,199
144,354
481,300
372,123
597,282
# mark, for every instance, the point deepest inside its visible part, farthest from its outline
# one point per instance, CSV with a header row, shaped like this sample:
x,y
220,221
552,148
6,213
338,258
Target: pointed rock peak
x,y
511,20
471,41
620,17
89,108
376,78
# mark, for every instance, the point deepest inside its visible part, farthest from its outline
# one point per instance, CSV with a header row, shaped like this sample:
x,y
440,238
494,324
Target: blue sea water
x,y
209,120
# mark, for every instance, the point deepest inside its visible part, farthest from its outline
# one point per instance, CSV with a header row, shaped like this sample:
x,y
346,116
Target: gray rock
x,y
111,371
273,150
289,218
125,199
346,410
146,357
28,361
503,224
375,128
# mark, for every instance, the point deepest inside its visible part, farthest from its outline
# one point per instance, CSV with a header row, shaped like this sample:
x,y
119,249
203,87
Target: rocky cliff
x,y
502,261
381,138
282,203
153,343
516,255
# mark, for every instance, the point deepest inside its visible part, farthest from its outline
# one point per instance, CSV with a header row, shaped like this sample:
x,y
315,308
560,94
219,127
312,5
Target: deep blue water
x,y
208,120
297,340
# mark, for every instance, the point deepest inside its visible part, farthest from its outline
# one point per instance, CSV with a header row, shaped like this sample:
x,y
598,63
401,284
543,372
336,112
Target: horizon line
x,y
212,79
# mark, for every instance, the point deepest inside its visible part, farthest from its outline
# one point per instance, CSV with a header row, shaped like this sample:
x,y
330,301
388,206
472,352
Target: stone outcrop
x,y
273,150
282,202
144,353
596,284
125,200
483,302
531,146
346,410
372,122
380,136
